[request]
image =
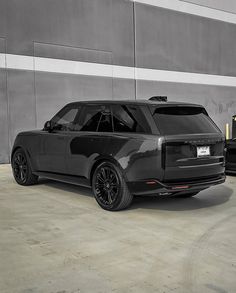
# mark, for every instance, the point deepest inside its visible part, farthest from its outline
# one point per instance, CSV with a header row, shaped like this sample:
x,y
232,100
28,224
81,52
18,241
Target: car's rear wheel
x,y
186,195
109,187
21,169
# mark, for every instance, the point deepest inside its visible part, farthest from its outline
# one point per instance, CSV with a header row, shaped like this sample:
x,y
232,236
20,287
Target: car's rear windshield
x,y
183,120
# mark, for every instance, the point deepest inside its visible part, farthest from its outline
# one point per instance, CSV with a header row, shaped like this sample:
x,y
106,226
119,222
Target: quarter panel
x,y
138,155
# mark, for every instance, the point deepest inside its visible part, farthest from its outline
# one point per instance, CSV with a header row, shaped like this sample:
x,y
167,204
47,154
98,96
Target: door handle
x,y
60,138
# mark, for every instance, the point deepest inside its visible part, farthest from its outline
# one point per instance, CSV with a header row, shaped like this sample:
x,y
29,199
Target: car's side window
x,y
105,123
96,118
90,118
65,120
129,118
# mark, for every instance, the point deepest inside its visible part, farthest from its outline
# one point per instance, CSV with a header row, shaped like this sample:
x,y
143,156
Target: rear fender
x,y
101,159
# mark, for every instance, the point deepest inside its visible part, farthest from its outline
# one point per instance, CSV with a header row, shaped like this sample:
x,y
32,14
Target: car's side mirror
x,y
48,126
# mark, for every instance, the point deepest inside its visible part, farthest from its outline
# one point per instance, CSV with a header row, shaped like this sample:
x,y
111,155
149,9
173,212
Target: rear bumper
x,y
153,186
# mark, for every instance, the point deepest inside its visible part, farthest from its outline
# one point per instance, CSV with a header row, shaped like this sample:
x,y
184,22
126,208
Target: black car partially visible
x,y
230,165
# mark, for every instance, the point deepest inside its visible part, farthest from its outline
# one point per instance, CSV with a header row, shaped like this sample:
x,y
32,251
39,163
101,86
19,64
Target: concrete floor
x,y
54,238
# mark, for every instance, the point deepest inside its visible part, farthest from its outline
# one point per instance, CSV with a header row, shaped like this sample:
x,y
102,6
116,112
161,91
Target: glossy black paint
x,y
146,160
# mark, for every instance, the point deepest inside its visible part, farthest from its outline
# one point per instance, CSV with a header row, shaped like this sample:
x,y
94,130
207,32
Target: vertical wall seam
x,y
134,31
112,60
35,97
112,77
8,106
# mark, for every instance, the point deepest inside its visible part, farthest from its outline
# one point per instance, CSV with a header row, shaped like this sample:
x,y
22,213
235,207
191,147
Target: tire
x,y
186,195
109,188
21,169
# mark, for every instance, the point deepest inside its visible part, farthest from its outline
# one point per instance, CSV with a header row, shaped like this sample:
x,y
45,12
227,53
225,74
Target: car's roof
x,y
137,102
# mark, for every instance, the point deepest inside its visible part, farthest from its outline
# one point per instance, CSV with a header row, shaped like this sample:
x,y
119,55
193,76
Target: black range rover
x,y
124,148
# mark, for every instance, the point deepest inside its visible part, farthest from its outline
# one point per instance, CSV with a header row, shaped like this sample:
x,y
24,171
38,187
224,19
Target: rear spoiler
x,y
158,98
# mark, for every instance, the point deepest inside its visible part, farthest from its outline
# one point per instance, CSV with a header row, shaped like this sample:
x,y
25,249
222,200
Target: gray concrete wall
x,y
171,40
104,32
220,102
4,127
103,25
80,30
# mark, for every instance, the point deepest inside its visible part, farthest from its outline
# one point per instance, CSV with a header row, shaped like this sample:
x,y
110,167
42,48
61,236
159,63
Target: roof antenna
x,y
158,98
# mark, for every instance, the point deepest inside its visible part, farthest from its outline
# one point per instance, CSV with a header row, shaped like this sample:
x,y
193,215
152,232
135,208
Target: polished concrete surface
x,y
54,238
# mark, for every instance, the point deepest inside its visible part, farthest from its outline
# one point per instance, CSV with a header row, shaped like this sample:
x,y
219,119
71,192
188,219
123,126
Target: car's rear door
x,y
193,147
91,141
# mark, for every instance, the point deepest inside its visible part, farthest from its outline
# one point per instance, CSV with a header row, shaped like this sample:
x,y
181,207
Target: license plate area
x,y
203,151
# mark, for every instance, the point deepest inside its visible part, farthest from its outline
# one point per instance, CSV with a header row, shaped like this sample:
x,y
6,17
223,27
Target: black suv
x,y
124,148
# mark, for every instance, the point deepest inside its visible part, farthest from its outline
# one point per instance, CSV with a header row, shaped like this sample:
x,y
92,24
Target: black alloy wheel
x,y
21,169
109,187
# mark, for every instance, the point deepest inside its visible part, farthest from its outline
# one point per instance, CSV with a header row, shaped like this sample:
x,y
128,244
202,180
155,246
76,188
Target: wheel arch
x,y
15,149
25,150
101,160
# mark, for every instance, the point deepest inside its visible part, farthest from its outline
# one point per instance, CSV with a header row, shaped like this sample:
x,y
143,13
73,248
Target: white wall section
x,y
184,77
191,8
2,60
39,64
225,5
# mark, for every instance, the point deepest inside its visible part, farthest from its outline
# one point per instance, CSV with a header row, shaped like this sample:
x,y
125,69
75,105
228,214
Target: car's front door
x,y
51,157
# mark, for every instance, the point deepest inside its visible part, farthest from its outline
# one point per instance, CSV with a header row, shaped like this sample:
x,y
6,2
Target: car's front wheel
x,y
109,187
21,169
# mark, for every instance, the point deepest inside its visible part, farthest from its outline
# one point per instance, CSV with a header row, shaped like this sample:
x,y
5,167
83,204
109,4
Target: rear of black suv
x,y
192,151
124,148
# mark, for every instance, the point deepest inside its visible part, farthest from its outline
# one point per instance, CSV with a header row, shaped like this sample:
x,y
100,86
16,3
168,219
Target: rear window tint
x,y
183,120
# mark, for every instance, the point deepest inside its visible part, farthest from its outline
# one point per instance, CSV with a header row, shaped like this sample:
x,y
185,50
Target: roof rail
x,y
158,98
